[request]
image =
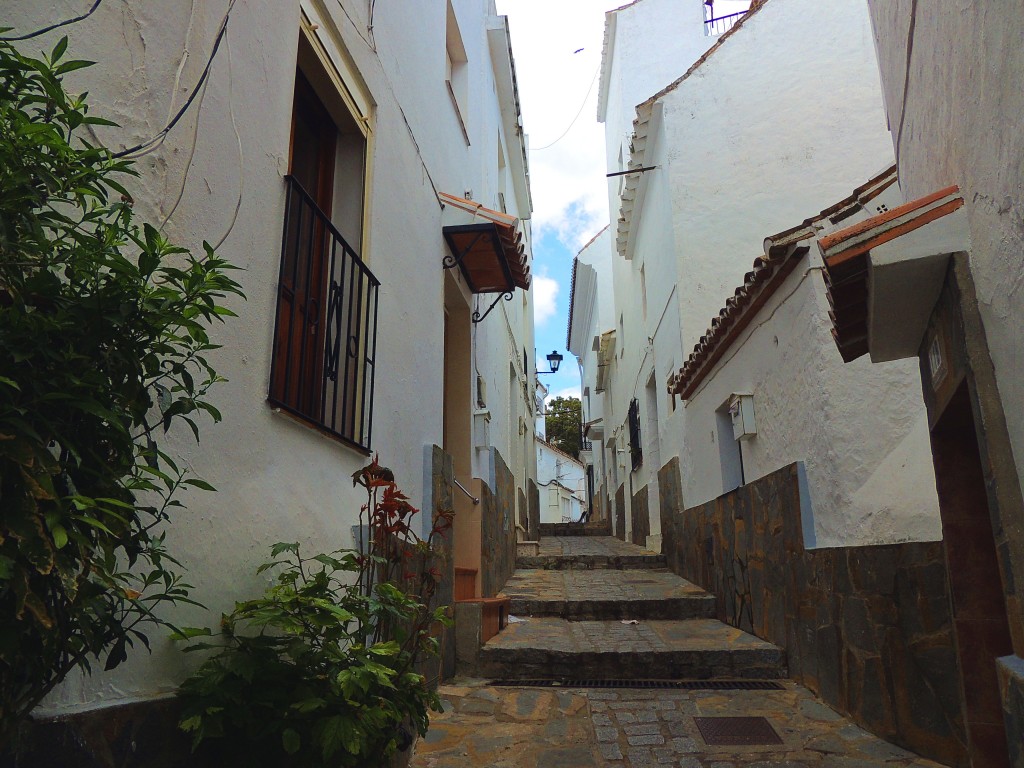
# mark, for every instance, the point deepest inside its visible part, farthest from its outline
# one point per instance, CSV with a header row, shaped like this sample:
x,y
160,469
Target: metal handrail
x,y
462,488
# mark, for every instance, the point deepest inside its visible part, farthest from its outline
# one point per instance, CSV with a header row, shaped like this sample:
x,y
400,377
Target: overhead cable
x,y
191,97
52,27
580,112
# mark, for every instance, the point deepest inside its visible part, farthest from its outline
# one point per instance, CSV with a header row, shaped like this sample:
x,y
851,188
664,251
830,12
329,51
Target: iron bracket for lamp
x,y
477,317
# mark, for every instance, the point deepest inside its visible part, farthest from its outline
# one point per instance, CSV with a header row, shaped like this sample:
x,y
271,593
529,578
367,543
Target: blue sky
x,y
557,48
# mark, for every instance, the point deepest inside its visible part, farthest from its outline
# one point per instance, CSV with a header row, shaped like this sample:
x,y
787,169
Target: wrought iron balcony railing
x,y
719,25
325,336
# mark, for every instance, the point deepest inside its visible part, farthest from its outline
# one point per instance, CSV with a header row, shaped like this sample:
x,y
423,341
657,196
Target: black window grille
x,y
325,336
636,451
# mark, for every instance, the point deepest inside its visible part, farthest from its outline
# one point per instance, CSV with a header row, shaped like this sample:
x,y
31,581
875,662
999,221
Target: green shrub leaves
x,y
103,343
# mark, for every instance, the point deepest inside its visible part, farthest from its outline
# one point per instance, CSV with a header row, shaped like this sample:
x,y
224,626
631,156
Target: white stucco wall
x,y
279,480
562,482
743,150
649,44
959,122
783,118
859,429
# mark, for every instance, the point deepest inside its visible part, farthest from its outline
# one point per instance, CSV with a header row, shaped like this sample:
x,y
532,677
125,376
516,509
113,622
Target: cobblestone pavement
x,y
492,727
607,546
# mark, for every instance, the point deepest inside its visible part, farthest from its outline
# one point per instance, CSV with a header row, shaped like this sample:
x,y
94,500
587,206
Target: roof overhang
x,y
499,42
581,308
485,244
885,274
782,254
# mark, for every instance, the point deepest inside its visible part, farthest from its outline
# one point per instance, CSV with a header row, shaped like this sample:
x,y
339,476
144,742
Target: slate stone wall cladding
x,y
497,529
670,501
620,513
442,489
1011,684
641,518
867,628
533,511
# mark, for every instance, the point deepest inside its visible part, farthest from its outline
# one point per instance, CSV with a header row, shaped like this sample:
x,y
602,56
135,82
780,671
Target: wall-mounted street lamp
x,y
554,360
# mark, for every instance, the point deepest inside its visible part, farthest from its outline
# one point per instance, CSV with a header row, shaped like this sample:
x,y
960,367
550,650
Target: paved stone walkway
x,y
580,728
598,609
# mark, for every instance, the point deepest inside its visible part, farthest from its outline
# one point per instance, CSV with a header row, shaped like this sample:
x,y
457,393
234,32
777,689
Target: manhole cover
x,y
736,731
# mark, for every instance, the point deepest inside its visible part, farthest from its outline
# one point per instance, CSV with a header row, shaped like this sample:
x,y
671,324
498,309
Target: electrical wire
x,y
371,46
580,112
52,27
150,143
188,162
241,154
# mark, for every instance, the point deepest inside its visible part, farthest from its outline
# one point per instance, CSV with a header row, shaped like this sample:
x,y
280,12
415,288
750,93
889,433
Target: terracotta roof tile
x,y
782,253
507,229
846,257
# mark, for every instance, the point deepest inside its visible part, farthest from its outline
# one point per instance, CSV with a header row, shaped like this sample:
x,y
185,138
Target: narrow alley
x,y
761,504
688,690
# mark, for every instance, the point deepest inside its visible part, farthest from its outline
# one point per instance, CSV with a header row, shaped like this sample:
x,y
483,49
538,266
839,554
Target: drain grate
x,y
736,731
676,685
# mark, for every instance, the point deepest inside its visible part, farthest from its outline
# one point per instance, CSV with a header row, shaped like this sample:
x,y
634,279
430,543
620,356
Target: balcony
x,y
325,335
718,22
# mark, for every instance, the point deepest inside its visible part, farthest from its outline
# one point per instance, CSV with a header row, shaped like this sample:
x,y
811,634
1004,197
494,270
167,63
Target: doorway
x,y
981,627
458,428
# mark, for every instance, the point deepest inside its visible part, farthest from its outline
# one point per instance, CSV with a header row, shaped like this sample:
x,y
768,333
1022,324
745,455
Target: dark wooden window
x,y
636,451
325,330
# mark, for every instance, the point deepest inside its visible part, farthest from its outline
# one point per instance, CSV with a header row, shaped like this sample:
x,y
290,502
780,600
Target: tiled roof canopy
x,y
486,244
783,252
847,257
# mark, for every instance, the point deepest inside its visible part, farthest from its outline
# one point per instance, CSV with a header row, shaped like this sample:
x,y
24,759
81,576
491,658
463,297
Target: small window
x,y
456,70
326,325
636,451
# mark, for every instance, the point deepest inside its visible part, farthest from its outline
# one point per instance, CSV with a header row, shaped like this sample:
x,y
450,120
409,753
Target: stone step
x,y
581,595
558,553
602,528
590,562
696,649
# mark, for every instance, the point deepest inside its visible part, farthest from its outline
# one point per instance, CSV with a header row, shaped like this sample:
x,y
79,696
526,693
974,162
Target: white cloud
x,y
570,192
545,298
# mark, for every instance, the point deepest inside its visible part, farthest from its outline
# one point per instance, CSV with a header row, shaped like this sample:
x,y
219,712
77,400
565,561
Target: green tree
x,y
103,347
563,423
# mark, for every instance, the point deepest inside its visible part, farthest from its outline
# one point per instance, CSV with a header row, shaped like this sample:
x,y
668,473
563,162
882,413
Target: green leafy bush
x,y
102,343
322,669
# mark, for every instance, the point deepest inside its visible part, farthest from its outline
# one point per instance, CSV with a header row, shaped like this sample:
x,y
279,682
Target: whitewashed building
x,y
562,481
941,278
591,319
392,131
707,171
